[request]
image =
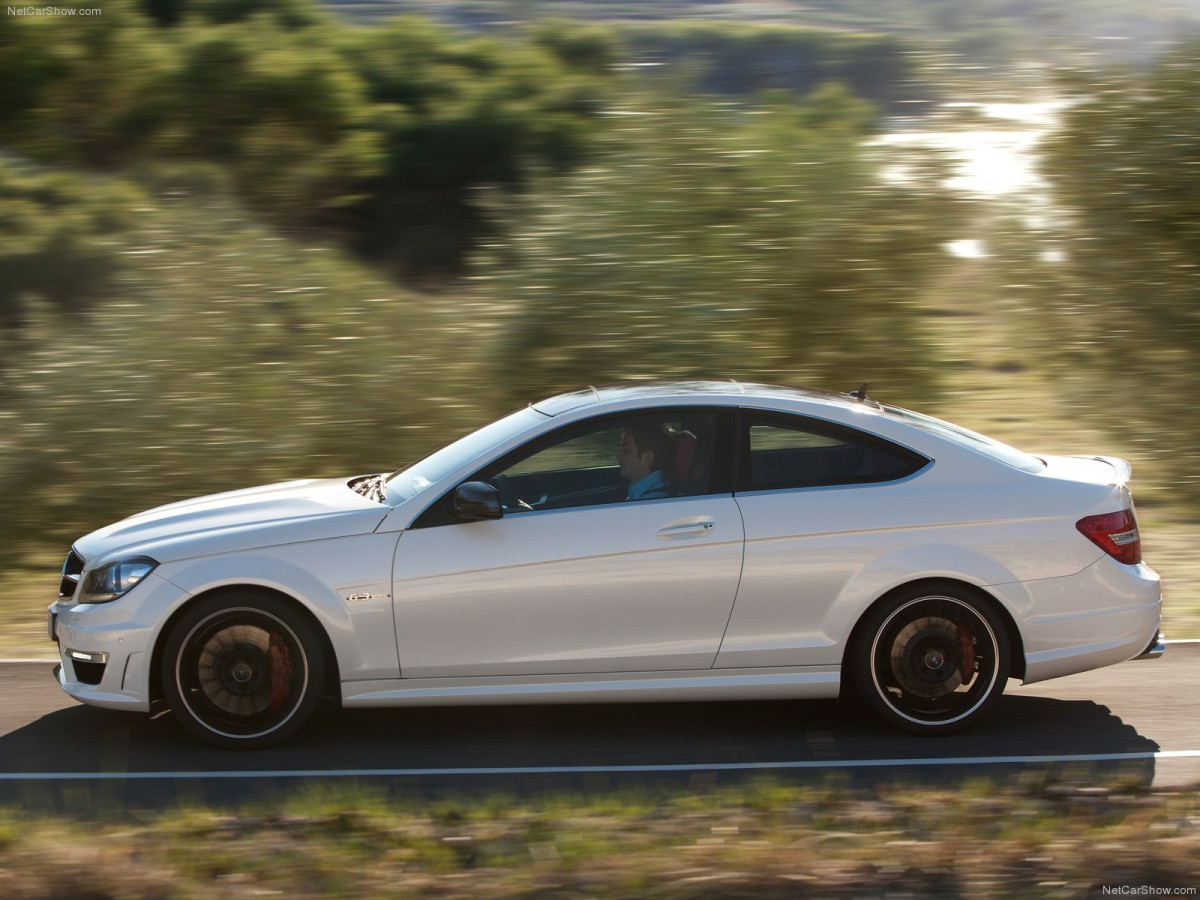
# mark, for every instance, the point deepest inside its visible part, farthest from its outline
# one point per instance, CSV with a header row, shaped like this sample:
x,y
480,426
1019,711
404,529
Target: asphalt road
x,y
1136,721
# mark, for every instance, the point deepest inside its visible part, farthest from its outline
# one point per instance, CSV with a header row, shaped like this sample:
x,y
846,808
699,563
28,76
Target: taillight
x,y
1114,533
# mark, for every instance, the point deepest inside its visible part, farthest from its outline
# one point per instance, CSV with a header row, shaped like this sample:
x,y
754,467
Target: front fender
x,y
345,583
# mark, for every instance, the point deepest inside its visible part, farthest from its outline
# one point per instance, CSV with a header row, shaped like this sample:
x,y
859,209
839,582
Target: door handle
x,y
683,529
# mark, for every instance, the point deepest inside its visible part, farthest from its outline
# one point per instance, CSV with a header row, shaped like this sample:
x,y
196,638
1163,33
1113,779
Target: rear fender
x,y
930,562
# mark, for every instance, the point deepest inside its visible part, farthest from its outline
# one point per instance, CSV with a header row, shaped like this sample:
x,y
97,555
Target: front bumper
x,y
105,648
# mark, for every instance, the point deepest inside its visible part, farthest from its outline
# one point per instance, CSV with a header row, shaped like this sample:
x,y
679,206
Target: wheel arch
x,y
332,685
1016,646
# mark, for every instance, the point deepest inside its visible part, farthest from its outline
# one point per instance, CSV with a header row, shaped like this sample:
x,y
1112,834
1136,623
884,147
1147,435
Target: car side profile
x,y
651,542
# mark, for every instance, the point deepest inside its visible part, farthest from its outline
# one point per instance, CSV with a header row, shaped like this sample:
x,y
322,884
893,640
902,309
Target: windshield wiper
x,y
371,487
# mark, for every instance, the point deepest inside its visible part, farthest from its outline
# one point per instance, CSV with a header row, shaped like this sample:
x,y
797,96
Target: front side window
x,y
781,452
648,456
415,479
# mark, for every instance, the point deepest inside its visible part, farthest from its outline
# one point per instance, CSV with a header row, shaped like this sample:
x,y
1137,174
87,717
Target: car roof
x,y
674,391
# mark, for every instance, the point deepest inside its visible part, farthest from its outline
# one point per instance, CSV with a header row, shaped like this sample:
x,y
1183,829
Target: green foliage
x,y
377,137
591,49
1126,166
454,115
162,342
380,137
77,89
283,110
979,32
289,14
223,356
704,241
56,242
743,59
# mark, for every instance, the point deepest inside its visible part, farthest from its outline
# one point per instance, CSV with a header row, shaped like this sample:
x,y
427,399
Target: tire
x,y
932,659
243,671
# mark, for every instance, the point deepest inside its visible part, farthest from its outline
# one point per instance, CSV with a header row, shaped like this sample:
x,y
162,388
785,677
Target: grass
x,y
766,840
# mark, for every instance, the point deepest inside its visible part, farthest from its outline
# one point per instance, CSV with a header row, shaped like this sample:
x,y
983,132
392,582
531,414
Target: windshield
x,y
407,483
972,440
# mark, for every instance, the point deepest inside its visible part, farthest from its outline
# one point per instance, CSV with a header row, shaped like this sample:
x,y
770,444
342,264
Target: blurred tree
x,y
227,356
591,49
290,14
283,110
58,242
741,59
1001,32
380,136
761,244
455,115
1126,166
76,88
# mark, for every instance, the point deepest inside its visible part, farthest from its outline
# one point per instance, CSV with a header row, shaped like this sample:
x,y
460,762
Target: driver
x,y
643,455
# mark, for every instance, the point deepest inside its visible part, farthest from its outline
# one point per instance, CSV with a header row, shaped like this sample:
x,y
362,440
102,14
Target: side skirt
x,y
807,683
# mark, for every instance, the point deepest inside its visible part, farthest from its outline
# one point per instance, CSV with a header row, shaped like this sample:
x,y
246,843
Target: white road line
x,y
605,770
26,662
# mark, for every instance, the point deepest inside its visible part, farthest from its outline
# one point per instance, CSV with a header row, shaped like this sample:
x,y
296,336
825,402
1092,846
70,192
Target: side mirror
x,y
475,500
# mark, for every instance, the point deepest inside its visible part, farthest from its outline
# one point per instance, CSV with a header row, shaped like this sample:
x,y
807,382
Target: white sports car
x,y
682,541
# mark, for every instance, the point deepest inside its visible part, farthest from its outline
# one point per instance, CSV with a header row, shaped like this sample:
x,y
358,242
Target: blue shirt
x,y
652,487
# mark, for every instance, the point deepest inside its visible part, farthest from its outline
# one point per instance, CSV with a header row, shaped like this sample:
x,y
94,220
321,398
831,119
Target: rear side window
x,y
989,447
782,453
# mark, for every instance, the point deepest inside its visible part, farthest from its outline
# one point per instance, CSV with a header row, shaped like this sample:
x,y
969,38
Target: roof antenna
x,y
861,394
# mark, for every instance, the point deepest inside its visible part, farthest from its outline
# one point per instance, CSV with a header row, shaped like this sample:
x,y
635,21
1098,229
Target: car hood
x,y
286,513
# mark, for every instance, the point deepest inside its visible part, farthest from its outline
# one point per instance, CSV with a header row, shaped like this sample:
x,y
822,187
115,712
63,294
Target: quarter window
x,y
789,453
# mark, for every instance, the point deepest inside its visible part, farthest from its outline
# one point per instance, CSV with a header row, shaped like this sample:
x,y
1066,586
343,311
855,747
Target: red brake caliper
x,y
967,651
281,672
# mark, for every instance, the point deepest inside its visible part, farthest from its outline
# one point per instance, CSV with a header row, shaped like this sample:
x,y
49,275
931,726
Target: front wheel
x,y
243,671
931,661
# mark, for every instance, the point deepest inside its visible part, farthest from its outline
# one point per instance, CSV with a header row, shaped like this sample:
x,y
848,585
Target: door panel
x,y
639,586
802,549
822,504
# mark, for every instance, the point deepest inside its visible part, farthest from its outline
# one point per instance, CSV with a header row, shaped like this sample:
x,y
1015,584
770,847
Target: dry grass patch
x,y
766,842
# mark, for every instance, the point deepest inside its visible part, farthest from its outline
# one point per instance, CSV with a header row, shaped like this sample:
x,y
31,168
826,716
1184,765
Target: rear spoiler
x,y
1122,470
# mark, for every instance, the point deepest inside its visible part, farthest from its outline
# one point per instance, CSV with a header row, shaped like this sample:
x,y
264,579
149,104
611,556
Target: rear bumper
x,y
1155,649
1104,615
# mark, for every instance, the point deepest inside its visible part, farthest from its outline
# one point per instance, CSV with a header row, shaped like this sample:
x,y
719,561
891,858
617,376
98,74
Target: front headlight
x,y
117,578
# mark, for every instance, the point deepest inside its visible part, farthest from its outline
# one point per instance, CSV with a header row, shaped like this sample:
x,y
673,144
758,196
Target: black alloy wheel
x,y
243,671
931,661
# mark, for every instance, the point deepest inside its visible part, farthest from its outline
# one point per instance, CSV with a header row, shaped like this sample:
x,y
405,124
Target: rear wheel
x,y
243,671
931,661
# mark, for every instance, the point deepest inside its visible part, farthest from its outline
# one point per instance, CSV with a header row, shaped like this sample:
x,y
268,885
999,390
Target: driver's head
x,y
643,449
